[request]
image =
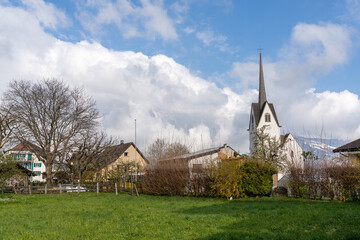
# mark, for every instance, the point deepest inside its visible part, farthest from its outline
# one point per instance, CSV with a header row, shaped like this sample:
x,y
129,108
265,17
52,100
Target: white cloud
x,y
337,113
168,100
313,51
189,30
164,96
353,10
47,13
149,19
156,20
208,37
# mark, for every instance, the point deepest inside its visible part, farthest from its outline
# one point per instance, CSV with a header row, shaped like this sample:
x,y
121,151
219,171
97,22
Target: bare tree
x,y
87,153
6,127
51,115
161,149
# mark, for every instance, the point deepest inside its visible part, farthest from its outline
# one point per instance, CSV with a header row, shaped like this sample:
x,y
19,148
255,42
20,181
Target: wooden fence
x,y
69,188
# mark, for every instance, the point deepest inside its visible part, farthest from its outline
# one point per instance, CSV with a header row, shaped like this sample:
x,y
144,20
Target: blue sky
x,y
187,70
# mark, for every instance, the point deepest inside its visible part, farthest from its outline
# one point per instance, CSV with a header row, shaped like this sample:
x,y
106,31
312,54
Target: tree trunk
x,y
49,176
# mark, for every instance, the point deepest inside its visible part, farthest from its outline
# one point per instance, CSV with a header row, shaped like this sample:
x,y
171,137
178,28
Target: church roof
x,y
258,112
262,92
353,146
259,107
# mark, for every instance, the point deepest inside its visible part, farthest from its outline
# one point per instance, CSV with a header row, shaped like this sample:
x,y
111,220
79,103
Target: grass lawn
x,y
107,216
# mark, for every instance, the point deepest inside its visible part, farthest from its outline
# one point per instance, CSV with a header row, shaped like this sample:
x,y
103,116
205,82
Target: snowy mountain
x,y
320,147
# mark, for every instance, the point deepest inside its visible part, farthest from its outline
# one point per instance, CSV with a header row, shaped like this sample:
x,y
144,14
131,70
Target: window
x,y
292,153
29,157
38,173
267,117
126,154
19,156
37,164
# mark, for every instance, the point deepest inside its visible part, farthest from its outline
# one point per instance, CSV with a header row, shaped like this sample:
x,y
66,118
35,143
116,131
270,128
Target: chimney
x,y
121,141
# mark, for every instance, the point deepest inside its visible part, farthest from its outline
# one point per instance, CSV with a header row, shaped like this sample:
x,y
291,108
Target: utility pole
x,y
136,172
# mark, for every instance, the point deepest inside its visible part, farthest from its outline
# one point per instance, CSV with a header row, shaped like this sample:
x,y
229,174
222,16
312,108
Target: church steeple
x,y
262,93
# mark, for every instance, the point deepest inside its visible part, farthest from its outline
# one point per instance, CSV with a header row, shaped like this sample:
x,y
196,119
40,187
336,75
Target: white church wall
x,y
293,152
271,127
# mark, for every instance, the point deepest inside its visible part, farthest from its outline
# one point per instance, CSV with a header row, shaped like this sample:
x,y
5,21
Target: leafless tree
x,y
162,149
87,153
6,127
51,115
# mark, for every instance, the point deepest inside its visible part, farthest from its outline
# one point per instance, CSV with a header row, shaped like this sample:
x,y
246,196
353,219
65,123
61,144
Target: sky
x,y
187,70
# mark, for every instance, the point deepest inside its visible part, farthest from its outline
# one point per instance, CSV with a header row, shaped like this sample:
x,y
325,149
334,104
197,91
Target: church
x,y
263,115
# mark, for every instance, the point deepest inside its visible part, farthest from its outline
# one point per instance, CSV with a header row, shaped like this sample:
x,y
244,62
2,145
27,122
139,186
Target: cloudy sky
x,y
187,70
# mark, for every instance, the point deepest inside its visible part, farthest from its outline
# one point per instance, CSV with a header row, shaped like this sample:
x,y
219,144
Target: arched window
x,y
267,117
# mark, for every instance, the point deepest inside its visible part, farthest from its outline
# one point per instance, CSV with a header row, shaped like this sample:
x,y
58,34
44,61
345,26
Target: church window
x,y
267,117
292,153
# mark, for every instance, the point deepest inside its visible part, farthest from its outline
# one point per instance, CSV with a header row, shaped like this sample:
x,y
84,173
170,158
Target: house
x,y
350,150
25,154
198,160
263,116
115,157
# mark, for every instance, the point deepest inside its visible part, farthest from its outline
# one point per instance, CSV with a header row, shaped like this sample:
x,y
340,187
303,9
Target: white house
x,y
24,153
263,114
198,160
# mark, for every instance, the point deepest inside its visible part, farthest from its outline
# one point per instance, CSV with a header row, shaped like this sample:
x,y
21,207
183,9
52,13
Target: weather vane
x,y
260,49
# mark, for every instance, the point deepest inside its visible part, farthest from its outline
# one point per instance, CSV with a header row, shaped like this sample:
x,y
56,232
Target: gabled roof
x,y
28,146
258,112
283,138
111,154
353,146
201,153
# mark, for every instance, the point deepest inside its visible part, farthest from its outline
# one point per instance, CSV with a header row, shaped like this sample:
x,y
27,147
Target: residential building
x,y
350,150
116,156
198,160
24,154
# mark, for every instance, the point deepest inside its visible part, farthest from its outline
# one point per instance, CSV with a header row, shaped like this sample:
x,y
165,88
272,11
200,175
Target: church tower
x,y
263,113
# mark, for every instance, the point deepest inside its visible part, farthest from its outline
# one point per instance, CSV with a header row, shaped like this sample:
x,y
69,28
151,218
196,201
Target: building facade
x,y
115,157
263,116
24,154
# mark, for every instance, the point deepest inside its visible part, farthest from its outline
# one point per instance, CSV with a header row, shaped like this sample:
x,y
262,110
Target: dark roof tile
x,y
353,146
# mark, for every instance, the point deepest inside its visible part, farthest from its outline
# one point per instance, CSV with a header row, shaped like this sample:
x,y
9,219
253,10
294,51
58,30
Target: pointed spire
x,y
262,93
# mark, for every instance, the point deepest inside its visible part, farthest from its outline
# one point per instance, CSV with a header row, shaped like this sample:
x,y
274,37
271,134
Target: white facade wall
x,y
293,152
30,162
205,161
272,128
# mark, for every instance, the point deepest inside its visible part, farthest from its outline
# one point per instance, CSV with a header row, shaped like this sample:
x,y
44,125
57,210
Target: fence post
x,y
46,188
97,187
30,189
79,187
116,189
60,188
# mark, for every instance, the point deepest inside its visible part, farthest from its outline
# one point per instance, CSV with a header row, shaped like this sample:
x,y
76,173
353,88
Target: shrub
x,y
167,178
226,179
336,178
257,178
240,178
233,177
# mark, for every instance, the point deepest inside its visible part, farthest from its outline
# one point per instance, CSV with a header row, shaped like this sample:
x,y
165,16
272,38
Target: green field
x,y
107,216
